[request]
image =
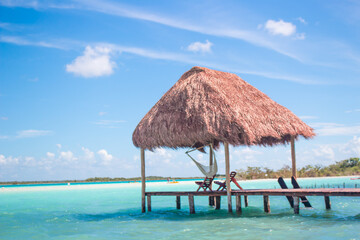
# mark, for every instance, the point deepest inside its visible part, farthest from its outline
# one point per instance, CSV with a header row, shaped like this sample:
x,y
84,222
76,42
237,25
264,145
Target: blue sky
x,y
76,77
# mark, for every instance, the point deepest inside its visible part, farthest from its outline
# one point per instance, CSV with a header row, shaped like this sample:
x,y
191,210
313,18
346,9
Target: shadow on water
x,y
205,213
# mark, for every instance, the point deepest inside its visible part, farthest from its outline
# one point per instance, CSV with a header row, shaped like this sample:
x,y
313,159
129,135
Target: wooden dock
x,y
295,193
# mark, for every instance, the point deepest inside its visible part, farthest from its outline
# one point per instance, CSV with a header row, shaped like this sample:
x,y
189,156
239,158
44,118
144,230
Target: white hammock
x,y
208,171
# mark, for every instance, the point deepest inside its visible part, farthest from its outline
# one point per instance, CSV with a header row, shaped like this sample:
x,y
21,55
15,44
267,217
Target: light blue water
x,y
114,213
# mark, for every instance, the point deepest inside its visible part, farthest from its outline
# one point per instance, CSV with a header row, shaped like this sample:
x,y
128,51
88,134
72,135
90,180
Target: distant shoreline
x,y
135,180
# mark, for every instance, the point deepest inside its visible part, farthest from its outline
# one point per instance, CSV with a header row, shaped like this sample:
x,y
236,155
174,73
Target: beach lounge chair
x,y
222,185
206,184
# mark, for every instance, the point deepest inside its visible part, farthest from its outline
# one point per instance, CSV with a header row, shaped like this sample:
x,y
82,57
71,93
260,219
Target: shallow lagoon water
x,y
112,211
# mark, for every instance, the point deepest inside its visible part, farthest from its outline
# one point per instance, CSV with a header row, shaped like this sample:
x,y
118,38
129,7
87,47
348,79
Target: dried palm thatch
x,y
212,106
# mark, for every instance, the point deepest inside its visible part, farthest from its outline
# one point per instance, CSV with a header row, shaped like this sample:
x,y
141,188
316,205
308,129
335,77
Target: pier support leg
x,y
227,173
246,200
217,202
142,153
149,202
266,204
238,204
327,202
178,203
211,201
191,204
296,205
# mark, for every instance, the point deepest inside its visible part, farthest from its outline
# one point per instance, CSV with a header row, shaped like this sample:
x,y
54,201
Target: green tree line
x,y
345,167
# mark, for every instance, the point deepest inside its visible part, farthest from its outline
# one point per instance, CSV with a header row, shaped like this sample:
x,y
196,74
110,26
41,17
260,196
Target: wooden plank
x,y
304,199
191,204
293,157
296,205
238,204
178,203
149,203
227,173
246,201
142,180
266,204
217,202
348,192
327,202
284,186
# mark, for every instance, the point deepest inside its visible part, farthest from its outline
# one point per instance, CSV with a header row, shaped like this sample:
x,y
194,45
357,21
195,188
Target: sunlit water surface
x,y
113,212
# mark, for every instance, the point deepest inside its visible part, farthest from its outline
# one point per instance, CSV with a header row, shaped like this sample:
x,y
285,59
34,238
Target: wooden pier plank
x,y
349,192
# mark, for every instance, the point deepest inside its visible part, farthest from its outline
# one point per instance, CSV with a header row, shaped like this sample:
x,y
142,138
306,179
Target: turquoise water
x,y
113,212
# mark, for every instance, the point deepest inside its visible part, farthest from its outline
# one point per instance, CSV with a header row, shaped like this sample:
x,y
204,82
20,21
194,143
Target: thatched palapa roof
x,y
211,106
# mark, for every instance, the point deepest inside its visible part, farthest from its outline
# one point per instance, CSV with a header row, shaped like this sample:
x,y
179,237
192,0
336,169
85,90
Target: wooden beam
x,y
142,180
217,202
178,203
149,203
293,157
327,202
246,201
238,204
266,204
211,198
191,204
227,173
296,205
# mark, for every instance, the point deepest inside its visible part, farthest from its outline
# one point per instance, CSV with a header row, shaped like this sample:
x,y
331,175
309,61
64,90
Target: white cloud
x,y
300,36
4,118
102,113
301,20
308,117
88,155
105,156
324,151
335,129
50,155
67,156
352,111
32,133
200,47
94,62
352,147
58,146
24,42
8,160
280,27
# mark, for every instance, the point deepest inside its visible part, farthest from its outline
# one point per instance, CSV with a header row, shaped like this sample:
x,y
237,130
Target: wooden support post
x,y
149,202
266,204
238,204
296,205
246,200
191,204
211,198
217,202
293,157
227,173
178,203
327,202
142,180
